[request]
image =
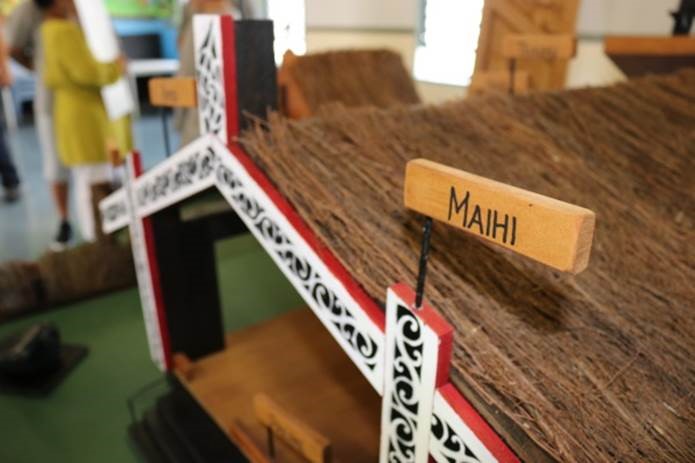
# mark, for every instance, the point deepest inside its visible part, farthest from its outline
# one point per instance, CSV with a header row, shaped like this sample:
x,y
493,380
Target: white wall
x,y
596,17
626,17
362,14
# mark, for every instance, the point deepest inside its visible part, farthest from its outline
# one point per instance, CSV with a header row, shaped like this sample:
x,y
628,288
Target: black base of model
x,y
177,430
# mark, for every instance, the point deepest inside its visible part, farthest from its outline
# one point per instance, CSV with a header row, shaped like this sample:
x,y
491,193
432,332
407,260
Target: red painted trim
x,y
367,304
229,65
154,274
436,323
483,431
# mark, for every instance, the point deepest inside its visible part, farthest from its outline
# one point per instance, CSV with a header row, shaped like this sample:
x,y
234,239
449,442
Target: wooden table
x,y
637,56
295,361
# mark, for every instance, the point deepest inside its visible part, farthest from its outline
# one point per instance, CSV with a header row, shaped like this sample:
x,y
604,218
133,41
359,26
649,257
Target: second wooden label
x,y
177,92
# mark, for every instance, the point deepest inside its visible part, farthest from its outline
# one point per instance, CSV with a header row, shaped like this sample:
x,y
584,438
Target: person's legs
x,y
57,176
8,171
59,191
86,180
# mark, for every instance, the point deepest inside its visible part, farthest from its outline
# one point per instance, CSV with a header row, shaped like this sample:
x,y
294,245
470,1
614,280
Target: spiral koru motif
x,y
450,444
407,377
313,285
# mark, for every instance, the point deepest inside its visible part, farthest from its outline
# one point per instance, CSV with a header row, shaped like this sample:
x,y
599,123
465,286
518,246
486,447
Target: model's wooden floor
x,y
295,361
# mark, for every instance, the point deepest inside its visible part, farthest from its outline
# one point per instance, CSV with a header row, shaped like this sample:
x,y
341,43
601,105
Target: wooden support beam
x,y
549,231
539,46
175,92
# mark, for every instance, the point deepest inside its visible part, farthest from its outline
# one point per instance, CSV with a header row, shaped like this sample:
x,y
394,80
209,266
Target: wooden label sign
x,y
313,446
552,232
539,46
178,92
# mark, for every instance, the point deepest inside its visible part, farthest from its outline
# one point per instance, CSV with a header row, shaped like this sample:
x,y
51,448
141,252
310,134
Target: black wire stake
x,y
271,443
512,75
424,257
165,127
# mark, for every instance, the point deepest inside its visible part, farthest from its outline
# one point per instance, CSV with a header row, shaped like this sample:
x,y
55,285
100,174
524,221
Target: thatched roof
x,y
594,368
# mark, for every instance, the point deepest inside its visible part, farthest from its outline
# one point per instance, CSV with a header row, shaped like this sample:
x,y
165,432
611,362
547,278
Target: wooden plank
x,y
309,443
539,46
175,92
547,230
293,359
638,56
649,46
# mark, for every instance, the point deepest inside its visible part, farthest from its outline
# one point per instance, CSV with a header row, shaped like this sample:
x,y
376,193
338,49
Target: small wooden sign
x,y
177,92
539,46
549,231
309,443
499,81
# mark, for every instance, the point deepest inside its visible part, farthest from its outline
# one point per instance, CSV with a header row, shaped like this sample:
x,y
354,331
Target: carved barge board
x,y
206,163
337,300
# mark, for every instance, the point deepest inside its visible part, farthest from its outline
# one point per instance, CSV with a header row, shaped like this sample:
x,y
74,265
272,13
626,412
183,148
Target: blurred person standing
x,y
24,43
8,171
186,119
81,126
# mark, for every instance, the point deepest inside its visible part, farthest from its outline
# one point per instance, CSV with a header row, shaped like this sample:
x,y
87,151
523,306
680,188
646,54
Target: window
x,y
290,26
447,40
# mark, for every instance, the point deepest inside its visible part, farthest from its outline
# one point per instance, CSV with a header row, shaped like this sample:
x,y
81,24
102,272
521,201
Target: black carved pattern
x,y
192,169
114,212
209,76
328,303
407,377
451,446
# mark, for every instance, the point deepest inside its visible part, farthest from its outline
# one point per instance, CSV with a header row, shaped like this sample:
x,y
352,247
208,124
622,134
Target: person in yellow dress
x,y
82,129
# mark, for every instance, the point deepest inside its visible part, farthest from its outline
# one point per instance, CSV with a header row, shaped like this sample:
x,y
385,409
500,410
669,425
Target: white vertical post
x,y
418,349
143,268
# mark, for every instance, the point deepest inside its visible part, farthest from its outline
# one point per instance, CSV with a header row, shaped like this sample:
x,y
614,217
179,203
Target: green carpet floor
x,y
85,418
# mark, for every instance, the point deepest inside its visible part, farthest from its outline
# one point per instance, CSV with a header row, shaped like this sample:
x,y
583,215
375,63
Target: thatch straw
x,y
60,277
352,77
86,270
594,368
